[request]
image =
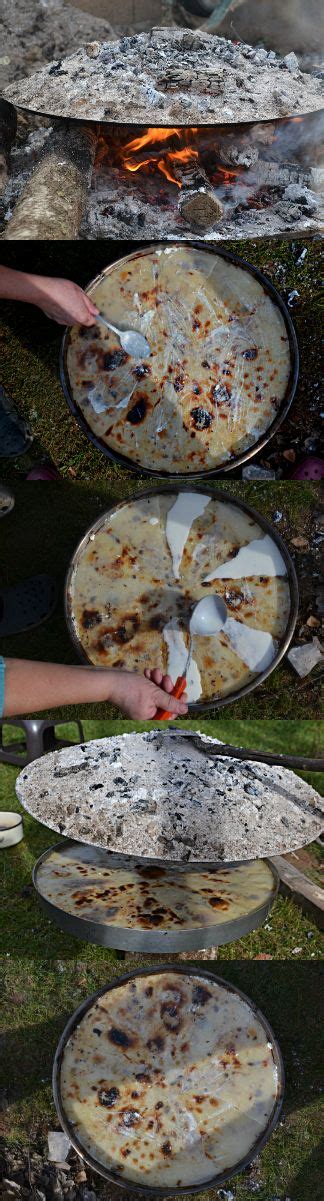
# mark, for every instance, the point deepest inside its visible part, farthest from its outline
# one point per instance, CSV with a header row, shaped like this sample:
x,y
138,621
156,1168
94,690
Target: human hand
x,y
64,301
140,697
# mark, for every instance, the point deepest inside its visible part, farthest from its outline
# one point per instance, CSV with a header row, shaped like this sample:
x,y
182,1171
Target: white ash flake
x,y
157,795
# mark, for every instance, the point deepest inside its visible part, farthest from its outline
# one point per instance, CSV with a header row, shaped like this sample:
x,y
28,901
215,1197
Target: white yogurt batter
x,y
187,507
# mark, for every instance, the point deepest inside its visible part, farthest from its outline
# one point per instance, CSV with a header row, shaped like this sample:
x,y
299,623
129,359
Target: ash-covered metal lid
x,y
167,77
162,795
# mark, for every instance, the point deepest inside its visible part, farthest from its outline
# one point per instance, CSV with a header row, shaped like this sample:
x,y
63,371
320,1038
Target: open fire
x,y
243,165
259,178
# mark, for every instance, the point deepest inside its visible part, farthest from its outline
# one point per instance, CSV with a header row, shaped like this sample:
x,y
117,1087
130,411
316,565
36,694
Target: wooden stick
x,y
54,199
198,204
8,130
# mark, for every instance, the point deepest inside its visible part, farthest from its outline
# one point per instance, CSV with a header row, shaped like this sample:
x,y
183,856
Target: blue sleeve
x,y
2,684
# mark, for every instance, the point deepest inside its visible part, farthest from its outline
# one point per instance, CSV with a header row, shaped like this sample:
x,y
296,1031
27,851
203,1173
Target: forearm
x,y
20,285
31,687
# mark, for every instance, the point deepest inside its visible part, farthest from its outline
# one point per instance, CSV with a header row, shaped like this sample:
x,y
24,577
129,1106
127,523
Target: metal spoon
x,y
135,344
208,617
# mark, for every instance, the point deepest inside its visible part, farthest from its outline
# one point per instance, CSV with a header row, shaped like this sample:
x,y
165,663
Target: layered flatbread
x,y
143,567
169,1080
124,894
219,366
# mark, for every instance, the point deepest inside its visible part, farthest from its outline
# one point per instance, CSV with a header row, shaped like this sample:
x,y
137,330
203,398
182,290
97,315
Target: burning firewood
x,y
197,202
8,129
54,199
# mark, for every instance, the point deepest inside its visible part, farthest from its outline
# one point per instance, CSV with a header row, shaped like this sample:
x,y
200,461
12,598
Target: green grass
x,y
45,526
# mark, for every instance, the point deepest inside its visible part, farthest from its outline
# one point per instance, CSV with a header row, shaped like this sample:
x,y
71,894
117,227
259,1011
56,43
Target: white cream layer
x,y
183,513
260,557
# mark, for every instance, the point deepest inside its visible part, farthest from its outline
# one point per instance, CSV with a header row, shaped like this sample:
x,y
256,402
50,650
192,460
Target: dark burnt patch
x,y
220,394
118,634
166,1148
178,383
119,1038
141,370
138,412
200,994
201,419
170,1015
113,359
130,1117
108,1096
156,1043
90,618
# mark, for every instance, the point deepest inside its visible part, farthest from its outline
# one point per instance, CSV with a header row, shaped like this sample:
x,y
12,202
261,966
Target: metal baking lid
x,y
114,1176
259,445
152,940
169,77
198,706
243,812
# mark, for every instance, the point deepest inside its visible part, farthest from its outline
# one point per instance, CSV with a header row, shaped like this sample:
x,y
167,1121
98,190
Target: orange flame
x,y
155,137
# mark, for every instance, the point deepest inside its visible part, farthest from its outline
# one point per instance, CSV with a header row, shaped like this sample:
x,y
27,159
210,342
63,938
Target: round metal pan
x,y
211,473
152,941
216,494
114,1176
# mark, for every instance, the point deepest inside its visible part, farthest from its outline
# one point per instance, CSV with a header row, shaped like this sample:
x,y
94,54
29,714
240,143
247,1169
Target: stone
x,y
254,472
58,1143
304,658
300,543
202,813
291,62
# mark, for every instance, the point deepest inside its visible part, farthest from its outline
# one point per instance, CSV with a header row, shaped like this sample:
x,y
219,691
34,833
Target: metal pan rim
x,y
126,938
113,1176
224,468
216,494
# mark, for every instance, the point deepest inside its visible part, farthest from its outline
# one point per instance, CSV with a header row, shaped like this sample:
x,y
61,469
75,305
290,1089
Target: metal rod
x,y
297,762
8,130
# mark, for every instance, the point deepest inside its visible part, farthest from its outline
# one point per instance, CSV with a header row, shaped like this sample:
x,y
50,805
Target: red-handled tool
x,y
177,691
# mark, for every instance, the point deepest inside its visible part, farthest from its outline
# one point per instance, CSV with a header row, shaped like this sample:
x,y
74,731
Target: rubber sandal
x,y
15,434
27,605
44,473
311,468
7,500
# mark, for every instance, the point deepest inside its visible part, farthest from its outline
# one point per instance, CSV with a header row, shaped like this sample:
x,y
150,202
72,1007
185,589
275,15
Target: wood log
x,y
8,130
197,202
54,199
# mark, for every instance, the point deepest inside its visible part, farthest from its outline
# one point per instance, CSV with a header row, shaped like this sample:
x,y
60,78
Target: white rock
x,y
291,62
58,1146
304,658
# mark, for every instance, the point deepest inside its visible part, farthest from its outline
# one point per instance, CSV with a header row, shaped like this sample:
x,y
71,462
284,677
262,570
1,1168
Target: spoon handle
x,y
108,324
179,688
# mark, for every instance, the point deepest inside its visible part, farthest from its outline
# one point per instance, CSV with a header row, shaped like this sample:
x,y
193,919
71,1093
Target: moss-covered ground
x,y
31,343
46,524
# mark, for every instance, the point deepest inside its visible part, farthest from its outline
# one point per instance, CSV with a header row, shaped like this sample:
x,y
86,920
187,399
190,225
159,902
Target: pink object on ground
x,y
43,473
311,468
